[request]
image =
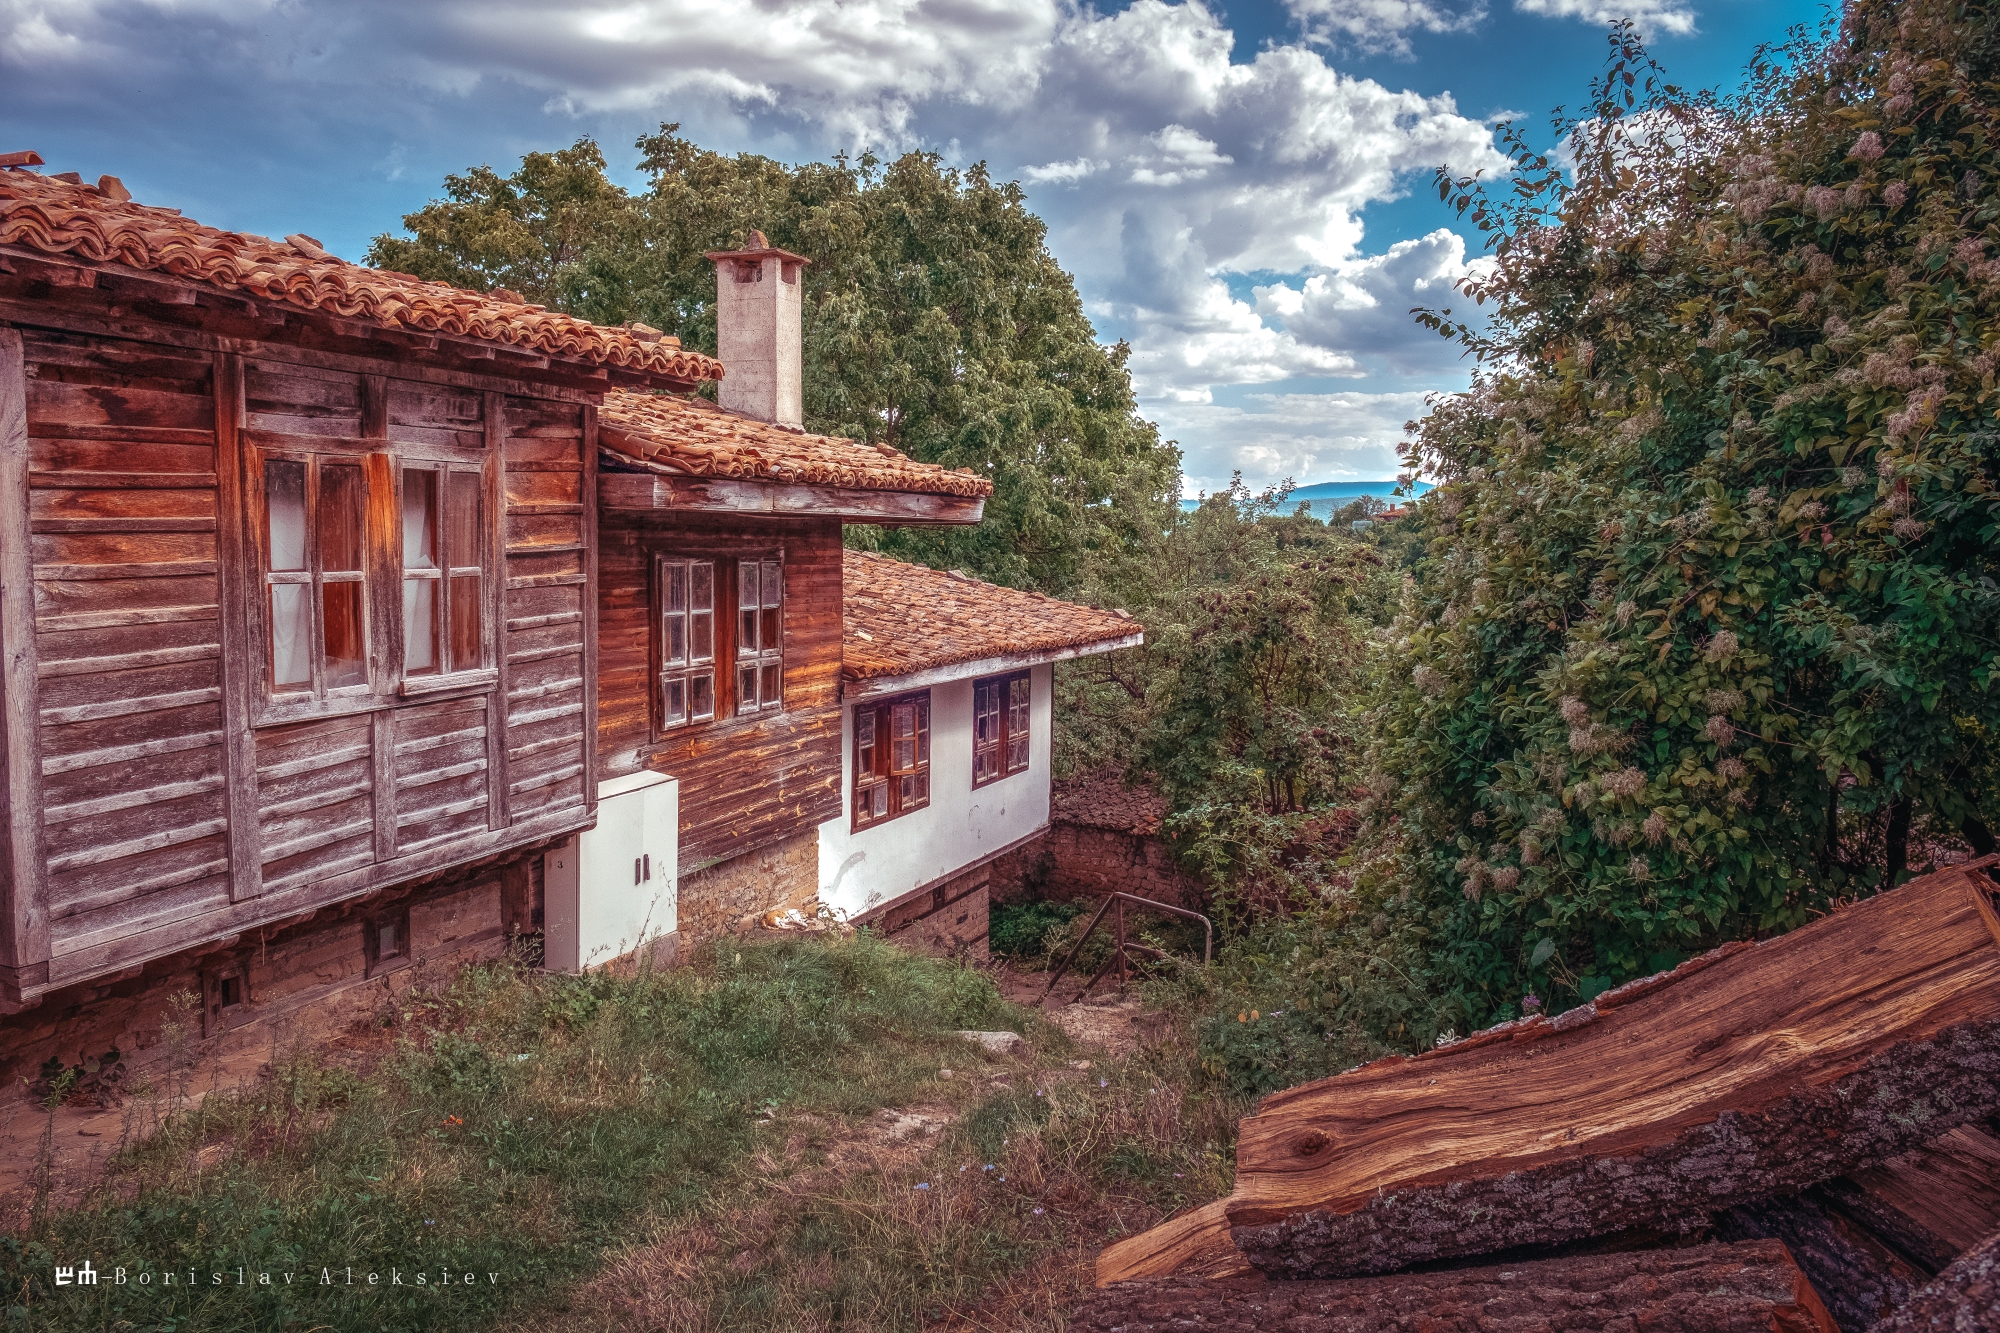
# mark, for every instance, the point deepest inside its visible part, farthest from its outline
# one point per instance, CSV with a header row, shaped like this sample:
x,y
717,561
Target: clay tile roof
x,y
61,217
902,619
694,437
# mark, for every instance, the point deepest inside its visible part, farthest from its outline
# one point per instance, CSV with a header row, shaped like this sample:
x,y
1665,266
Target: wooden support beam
x,y
1752,1072
641,491
238,587
1749,1288
24,924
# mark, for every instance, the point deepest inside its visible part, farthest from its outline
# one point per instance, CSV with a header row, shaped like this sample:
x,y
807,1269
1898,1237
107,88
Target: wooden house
x,y
947,709
298,605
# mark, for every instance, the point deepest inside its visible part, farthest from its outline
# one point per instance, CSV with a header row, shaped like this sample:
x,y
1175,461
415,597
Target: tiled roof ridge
x,y
902,618
683,434
60,217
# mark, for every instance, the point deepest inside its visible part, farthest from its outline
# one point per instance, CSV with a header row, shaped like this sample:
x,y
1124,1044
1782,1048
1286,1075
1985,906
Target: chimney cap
x,y
756,247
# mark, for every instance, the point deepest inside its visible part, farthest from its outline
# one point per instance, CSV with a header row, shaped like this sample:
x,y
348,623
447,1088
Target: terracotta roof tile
x,y
693,436
60,217
903,618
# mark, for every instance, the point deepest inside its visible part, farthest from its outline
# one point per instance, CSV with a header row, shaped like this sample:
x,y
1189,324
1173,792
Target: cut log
x,y
1965,1298
1933,1204
1860,1279
1194,1244
1753,1287
1752,1072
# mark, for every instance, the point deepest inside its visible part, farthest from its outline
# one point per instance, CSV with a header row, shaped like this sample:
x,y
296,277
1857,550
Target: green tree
x,y
936,322
1708,628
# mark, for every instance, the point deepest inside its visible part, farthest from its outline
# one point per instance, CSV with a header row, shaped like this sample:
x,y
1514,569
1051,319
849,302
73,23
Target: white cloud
x,y
1062,173
1170,174
1652,17
1383,25
1308,437
1362,309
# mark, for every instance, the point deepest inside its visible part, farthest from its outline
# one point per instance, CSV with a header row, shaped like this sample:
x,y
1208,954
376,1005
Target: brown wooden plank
x,y
1752,1287
96,459
492,410
241,671
1779,1065
55,407
120,507
24,924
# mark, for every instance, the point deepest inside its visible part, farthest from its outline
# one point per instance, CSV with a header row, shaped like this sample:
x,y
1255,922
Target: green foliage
x,y
1709,619
1021,930
1239,706
1305,995
936,322
460,1153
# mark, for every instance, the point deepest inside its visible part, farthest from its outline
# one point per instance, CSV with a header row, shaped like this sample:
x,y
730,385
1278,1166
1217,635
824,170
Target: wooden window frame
x,y
382,463
729,658
873,766
398,919
218,1014
1013,720
450,673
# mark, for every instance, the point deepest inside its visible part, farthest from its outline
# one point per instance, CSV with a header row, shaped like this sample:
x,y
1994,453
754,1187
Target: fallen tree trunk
x,y
1933,1204
1753,1287
1751,1072
1756,1070
1965,1298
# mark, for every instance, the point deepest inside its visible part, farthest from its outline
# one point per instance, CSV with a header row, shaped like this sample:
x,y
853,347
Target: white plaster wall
x,y
858,871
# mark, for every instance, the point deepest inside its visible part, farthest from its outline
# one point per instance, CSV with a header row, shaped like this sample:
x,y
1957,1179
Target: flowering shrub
x,y
1710,618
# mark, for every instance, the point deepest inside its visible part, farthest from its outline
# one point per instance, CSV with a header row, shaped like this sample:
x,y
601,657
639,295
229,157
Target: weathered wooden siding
x,y
159,799
122,507
744,783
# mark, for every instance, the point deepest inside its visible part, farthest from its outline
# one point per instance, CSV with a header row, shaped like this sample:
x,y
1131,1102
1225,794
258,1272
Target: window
x,y
226,992
686,598
720,638
386,942
760,668
443,581
892,758
315,511
999,727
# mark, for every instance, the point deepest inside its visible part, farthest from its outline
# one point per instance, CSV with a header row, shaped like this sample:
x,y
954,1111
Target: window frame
x,y
449,673
878,715
727,660
1003,741
382,463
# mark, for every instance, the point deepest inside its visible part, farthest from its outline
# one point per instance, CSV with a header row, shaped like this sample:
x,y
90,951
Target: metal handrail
x,y
1123,946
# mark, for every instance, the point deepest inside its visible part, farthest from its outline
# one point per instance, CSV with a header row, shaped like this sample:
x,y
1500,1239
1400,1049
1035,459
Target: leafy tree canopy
x,y
1709,629
936,322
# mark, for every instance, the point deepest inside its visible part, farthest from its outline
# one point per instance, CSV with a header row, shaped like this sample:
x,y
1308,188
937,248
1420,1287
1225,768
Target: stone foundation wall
x,y
731,895
1077,861
318,970
948,919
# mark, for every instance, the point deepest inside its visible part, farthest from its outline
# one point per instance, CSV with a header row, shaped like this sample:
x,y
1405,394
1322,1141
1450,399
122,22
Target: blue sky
x,y
1240,190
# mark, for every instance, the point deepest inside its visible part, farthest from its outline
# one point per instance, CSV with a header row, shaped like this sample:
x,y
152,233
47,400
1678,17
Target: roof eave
x,y
654,490
874,687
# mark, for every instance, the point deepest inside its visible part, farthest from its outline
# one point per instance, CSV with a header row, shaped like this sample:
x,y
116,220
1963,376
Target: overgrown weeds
x,y
512,1132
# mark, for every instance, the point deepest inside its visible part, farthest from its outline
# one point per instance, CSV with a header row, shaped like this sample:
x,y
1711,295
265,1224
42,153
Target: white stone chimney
x,y
759,329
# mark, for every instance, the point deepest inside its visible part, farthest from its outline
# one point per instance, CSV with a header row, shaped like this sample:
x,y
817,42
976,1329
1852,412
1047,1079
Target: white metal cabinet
x,y
614,888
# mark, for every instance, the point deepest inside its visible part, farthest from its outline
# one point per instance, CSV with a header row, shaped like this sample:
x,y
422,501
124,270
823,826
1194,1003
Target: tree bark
x,y
1860,1279
1752,1072
1749,1288
1965,1296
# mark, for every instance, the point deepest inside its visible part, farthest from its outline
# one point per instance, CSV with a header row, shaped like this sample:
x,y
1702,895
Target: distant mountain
x,y
1323,497
1352,490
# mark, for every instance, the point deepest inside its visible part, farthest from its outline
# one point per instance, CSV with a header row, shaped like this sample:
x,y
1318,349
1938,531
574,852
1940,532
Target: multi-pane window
x,y
760,668
720,637
892,758
315,514
686,593
999,727
443,583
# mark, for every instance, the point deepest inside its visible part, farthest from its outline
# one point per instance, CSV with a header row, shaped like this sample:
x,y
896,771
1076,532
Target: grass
x,y
690,1149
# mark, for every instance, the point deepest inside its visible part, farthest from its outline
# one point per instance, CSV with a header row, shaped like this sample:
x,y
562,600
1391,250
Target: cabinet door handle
x,y
648,858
